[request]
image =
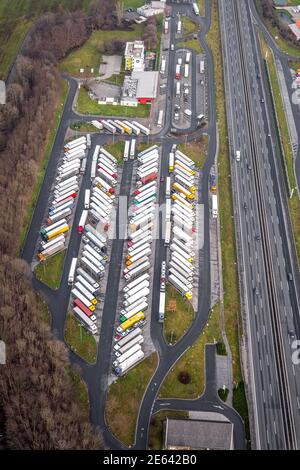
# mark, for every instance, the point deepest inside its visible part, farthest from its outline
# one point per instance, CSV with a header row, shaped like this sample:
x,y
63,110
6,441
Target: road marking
x,y
268,364
264,329
275,428
263,392
257,334
260,365
271,392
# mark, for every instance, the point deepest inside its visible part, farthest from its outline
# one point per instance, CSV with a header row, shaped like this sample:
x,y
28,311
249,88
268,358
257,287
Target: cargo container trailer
x,y
128,338
146,178
140,197
65,166
97,124
134,265
179,27
137,210
178,197
82,273
187,273
188,255
182,235
168,209
78,295
177,72
59,216
89,286
185,174
144,129
126,150
163,66
102,194
101,257
214,200
90,229
182,278
94,270
104,205
99,211
108,154
149,149
95,240
184,166
186,183
143,169
189,248
109,127
96,260
133,309
186,70
136,282
181,189
167,233
87,311
161,307
139,220
87,196
86,293
75,142
153,157
137,340
119,128
141,255
130,362
182,260
136,130
166,27
66,183
132,148
160,118
107,175
44,245
144,188
184,157
127,354
67,204
129,293
106,161
52,250
100,183
135,250
131,322
168,186
85,320
49,228
62,192
171,162
95,218
138,244
127,129
136,297
138,270
65,176
181,287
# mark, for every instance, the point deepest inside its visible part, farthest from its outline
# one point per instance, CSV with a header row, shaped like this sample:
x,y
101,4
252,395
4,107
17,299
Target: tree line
x,y
36,398
269,12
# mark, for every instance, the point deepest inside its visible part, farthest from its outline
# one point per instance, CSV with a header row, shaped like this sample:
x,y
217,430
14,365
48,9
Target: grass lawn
x,y
192,362
141,146
156,429
83,126
8,50
81,341
51,270
133,3
179,315
201,6
294,203
79,387
294,64
188,26
192,44
196,150
124,398
116,149
85,105
53,126
282,44
116,79
87,56
229,259
240,404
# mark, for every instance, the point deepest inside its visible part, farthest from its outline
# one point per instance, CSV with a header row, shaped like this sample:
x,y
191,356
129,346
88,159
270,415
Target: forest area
x,y
37,402
269,12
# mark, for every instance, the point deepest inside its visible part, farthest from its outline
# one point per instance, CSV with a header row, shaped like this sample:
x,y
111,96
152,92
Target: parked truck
x,y
137,340
214,201
127,354
161,308
85,320
128,338
177,72
138,270
78,295
131,322
130,362
136,282
181,287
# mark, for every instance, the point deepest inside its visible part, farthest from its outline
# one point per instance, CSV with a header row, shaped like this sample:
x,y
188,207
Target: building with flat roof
x,y
198,434
295,30
134,56
147,83
151,10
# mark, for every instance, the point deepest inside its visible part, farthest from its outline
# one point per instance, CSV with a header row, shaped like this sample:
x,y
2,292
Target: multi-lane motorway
x,y
270,299
270,296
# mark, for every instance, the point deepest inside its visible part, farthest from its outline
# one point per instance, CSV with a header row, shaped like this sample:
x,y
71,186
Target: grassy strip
x,y
179,316
192,363
83,126
223,394
156,429
133,3
229,260
293,202
201,6
85,105
9,50
192,44
79,387
188,26
282,44
116,79
51,270
240,404
116,149
43,164
196,150
80,341
294,64
124,398
88,56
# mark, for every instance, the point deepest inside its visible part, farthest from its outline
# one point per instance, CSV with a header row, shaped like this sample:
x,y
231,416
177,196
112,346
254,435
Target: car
x,y
249,167
195,36
201,82
245,206
174,147
290,276
176,116
177,107
172,47
255,290
162,179
292,334
257,236
262,100
258,76
165,49
185,98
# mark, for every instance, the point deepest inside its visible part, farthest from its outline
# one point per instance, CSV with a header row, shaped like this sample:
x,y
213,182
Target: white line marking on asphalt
x,y
264,399
271,392
275,428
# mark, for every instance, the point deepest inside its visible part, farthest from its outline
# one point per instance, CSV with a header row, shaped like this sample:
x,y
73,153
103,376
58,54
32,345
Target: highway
x,y
271,312
96,376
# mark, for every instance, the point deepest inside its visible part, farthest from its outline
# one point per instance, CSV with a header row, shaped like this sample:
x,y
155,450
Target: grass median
x,y
196,150
191,44
80,341
178,316
85,105
50,271
124,398
293,202
187,378
116,149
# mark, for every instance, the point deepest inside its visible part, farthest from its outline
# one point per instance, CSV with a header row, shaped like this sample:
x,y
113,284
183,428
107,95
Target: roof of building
x,y
198,434
294,28
135,48
147,84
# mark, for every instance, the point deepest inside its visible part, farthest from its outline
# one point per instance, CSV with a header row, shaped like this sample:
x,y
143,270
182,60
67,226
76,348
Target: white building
x,y
134,56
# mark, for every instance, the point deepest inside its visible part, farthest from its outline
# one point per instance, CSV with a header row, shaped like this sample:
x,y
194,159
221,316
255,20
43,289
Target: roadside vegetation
x,y
116,79
277,27
288,158
124,398
191,44
229,260
79,386
240,405
156,428
223,393
89,56
187,378
50,271
178,316
116,149
81,341
196,150
83,126
85,105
